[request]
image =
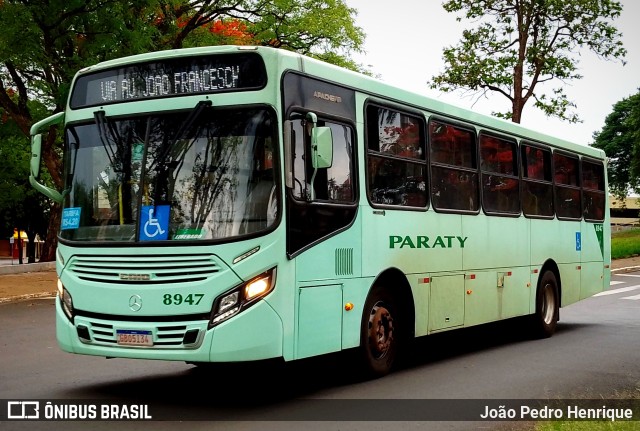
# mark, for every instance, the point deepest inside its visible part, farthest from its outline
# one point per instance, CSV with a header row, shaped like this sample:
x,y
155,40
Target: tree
x,y
43,43
620,140
518,46
21,206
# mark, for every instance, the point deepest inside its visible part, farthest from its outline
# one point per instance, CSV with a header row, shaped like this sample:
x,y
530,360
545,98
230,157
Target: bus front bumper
x,y
255,334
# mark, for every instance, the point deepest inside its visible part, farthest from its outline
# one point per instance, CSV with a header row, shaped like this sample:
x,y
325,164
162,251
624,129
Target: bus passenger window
x,y
454,173
396,160
593,190
500,183
567,186
537,186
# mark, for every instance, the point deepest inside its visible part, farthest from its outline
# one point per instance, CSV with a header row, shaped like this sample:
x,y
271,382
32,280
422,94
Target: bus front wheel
x,y
379,333
547,312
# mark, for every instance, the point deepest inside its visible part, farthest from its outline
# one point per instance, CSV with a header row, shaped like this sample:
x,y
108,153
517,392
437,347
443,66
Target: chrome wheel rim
x,y
380,330
548,304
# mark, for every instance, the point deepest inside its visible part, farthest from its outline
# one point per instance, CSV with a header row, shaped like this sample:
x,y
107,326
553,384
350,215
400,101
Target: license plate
x,y
127,337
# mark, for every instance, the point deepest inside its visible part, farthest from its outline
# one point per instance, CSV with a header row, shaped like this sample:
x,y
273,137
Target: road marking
x,y
621,290
633,298
628,275
613,283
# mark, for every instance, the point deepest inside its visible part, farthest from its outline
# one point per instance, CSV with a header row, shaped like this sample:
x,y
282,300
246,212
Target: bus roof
x,y
365,84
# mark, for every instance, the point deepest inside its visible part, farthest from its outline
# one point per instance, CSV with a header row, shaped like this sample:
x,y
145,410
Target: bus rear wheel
x,y
547,312
379,338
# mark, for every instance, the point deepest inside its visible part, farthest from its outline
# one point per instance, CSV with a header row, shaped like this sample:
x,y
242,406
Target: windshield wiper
x,y
107,134
185,127
161,180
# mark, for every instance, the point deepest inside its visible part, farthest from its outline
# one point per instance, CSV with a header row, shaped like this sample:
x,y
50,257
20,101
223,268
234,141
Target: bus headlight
x,y
242,297
65,300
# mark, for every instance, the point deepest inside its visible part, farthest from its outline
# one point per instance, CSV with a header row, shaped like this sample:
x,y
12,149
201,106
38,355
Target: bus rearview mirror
x,y
36,151
322,147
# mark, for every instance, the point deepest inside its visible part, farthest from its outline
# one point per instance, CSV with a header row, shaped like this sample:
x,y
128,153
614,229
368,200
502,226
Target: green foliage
x,y
43,43
20,205
515,48
620,140
625,244
588,426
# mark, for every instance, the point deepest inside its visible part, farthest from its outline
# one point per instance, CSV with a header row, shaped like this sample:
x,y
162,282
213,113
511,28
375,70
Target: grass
x,y
625,244
588,426
632,398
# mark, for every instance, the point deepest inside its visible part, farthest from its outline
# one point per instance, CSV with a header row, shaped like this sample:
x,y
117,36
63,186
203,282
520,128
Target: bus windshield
x,y
203,174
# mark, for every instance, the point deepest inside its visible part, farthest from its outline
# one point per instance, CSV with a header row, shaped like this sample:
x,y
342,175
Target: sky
x,y
404,43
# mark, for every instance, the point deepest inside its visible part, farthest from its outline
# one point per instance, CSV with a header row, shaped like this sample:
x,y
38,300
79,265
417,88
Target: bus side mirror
x,y
36,156
36,151
322,147
289,139
321,150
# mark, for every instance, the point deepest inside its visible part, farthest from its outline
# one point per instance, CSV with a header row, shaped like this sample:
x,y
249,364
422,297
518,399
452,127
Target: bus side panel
x,y
335,257
354,292
495,242
482,301
319,320
570,274
446,307
516,292
592,280
328,274
413,242
495,295
419,244
556,240
324,322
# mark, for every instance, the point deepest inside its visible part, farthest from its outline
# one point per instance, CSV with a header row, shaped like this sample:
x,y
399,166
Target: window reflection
x,y
500,183
216,175
454,167
568,203
333,184
537,187
593,190
396,160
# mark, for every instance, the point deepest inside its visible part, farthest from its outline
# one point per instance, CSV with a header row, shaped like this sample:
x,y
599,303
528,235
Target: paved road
x,y
593,354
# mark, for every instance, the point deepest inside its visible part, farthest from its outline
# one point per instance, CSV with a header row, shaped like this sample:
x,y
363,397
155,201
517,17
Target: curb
x,y
626,269
42,295
29,267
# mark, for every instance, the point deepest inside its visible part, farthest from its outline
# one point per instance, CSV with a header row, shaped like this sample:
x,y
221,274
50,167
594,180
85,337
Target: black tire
x,y
380,333
547,313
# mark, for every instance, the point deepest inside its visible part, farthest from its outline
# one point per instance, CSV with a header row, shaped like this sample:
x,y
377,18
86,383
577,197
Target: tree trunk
x,y
19,239
31,246
516,109
51,240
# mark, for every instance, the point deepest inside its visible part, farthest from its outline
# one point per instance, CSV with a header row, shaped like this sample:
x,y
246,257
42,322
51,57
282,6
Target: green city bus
x,y
226,204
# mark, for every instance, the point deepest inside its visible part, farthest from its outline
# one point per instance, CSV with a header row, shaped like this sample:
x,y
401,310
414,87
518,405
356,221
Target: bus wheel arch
x,y
548,301
388,322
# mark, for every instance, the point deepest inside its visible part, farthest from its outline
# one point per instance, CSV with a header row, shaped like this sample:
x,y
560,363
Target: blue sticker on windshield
x,y
154,222
70,218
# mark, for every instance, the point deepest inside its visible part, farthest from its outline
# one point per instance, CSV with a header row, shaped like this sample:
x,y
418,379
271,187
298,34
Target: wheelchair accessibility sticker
x,y
154,223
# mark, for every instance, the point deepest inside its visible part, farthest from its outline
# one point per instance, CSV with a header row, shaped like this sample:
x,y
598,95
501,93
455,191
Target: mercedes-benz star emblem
x,y
135,302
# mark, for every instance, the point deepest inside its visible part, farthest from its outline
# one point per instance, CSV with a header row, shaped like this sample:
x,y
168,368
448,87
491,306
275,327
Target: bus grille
x,y
162,269
164,336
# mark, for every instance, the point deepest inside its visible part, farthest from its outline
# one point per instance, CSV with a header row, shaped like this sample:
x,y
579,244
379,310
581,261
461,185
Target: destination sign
x,y
170,77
